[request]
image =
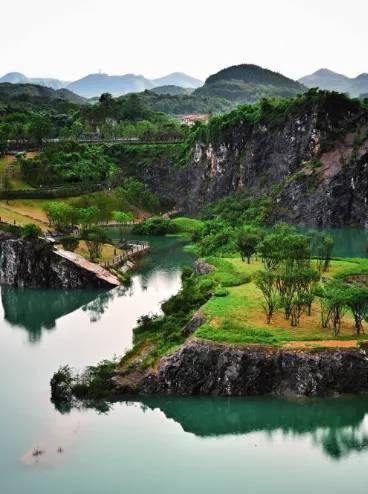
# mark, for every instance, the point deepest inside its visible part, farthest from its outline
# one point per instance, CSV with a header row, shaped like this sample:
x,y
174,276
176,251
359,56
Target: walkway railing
x,y
135,250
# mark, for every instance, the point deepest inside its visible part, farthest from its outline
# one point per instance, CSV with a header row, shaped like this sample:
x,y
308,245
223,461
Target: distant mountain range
x,y
94,85
223,91
332,81
18,78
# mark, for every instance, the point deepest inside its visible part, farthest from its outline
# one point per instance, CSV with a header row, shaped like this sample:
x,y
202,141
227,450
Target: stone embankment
x,y
205,368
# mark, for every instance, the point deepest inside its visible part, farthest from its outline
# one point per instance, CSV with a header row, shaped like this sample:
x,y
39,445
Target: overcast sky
x,y
70,38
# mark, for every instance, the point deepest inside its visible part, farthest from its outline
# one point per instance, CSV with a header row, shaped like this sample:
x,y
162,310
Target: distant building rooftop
x,y
192,118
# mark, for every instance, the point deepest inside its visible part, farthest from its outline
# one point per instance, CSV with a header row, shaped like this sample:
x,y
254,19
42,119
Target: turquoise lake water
x,y
154,444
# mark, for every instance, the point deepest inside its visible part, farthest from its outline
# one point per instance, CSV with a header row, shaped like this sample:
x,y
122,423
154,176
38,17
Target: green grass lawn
x,y
237,316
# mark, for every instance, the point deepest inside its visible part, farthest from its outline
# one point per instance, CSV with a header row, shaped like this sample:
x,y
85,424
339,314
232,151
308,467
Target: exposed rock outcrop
x,y
34,263
201,267
201,367
313,163
197,320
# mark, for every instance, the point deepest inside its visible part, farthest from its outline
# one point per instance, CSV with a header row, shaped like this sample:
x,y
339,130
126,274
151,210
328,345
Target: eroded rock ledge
x,y
30,263
202,367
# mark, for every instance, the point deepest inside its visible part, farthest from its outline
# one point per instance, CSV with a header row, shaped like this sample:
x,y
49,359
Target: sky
x,y
68,39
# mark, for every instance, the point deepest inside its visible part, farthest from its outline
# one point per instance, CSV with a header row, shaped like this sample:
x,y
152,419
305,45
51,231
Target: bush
x,y
155,226
221,292
69,243
31,231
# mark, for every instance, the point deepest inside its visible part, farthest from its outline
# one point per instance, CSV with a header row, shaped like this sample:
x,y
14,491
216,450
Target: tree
x,y
94,238
31,231
247,242
324,252
122,217
76,129
334,304
265,281
297,306
69,243
88,216
106,99
39,128
285,248
61,215
7,183
357,301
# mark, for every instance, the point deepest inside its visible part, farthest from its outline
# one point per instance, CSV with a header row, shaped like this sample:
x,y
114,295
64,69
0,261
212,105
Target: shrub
x,y
69,243
155,226
31,231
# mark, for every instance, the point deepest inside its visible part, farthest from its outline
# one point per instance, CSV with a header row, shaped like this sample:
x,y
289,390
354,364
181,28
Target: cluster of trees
x,y
223,225
291,281
155,226
288,279
64,216
20,127
336,298
43,118
126,116
69,163
273,112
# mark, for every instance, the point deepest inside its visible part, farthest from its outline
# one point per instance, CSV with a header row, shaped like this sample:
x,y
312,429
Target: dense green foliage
x,y
101,207
31,231
164,333
226,219
155,226
183,104
68,162
272,112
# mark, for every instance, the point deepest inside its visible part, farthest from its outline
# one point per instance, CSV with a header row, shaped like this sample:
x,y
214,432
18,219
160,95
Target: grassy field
x,y
108,251
236,314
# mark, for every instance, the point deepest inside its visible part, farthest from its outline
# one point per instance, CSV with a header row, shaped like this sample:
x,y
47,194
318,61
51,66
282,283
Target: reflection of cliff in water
x,y
37,309
334,424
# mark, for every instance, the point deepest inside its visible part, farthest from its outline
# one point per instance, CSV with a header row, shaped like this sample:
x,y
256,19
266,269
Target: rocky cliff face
x,y
312,164
26,263
200,367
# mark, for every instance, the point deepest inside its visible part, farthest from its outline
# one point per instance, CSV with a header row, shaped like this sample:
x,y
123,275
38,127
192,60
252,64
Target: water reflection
x,y
97,307
349,242
36,309
337,425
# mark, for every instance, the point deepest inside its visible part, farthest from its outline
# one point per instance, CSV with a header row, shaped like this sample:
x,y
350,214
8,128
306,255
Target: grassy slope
x,y
238,317
17,182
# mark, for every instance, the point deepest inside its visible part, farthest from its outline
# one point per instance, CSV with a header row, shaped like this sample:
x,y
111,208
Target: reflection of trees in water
x,y
37,310
334,424
97,307
338,443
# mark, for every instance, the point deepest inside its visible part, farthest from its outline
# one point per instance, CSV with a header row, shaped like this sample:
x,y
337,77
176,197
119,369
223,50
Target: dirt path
x,y
322,343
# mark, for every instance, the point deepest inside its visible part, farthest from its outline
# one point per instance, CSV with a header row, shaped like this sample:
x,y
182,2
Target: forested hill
x,y
32,94
247,83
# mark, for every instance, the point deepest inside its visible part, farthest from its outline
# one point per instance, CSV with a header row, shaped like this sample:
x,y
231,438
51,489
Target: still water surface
x,y
155,444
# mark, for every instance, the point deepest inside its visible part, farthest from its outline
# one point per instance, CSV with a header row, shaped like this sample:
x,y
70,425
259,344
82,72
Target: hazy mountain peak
x,y
332,81
14,78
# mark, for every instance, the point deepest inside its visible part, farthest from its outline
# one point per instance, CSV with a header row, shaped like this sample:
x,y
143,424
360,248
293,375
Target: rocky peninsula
x,y
37,264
